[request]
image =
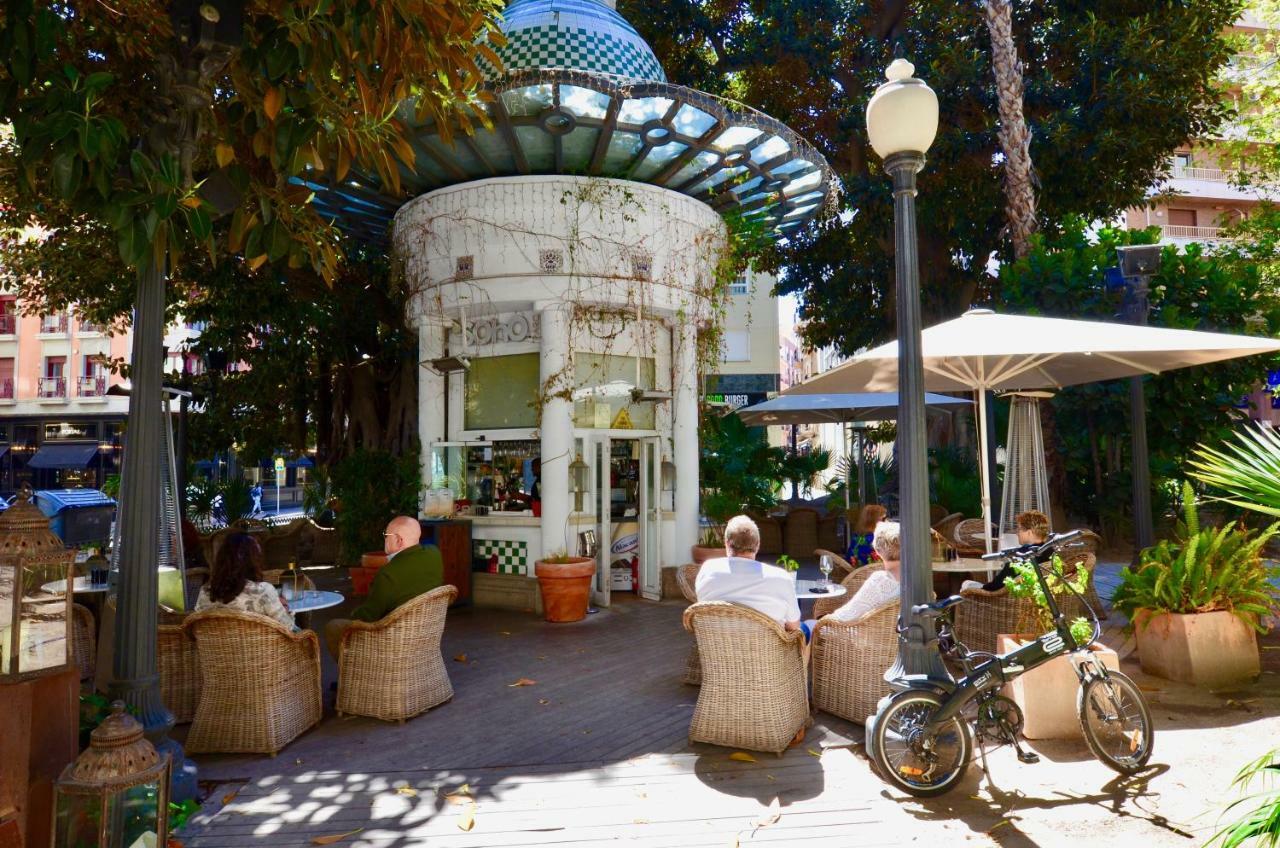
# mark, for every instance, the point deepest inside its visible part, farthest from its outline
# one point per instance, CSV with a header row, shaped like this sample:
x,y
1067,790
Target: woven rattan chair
x,y
985,615
849,660
261,683
800,533
840,567
970,537
831,532
946,526
178,663
317,545
851,583
392,669
83,643
937,512
770,533
280,546
687,580
753,678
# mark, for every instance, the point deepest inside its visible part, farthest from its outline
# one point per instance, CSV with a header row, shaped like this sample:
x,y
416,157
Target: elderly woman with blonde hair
x,y
881,586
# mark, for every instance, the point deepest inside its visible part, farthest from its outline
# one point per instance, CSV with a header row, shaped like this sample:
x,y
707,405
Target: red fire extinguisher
x,y
635,574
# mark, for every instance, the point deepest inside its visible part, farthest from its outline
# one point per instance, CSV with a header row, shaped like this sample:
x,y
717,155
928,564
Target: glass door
x,y
601,501
650,516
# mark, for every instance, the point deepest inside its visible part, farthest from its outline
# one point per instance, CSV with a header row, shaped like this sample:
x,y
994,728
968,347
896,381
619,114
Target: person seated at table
x,y
411,570
739,579
235,582
881,586
1033,529
860,535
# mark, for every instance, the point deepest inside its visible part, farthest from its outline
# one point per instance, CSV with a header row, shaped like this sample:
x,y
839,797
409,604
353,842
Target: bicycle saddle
x,y
936,608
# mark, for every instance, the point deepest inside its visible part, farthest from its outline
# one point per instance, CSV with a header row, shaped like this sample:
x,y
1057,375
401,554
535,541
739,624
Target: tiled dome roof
x,y
584,35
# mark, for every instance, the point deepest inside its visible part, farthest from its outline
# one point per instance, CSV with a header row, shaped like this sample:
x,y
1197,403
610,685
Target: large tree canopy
x,y
1112,88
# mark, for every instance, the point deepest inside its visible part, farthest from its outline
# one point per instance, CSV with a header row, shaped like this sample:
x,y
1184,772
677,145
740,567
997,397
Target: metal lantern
x,y
116,793
578,481
35,595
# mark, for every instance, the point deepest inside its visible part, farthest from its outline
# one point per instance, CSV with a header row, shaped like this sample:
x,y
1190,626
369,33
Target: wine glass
x,y
824,565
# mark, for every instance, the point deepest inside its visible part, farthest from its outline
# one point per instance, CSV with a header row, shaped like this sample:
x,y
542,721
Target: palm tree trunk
x,y
1015,138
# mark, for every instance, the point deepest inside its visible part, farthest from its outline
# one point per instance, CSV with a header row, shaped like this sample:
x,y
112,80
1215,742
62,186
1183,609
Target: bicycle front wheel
x,y
1116,722
918,761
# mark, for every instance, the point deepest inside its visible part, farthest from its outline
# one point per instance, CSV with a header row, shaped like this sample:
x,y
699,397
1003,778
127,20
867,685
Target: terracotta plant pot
x,y
565,588
1206,649
702,553
1047,694
373,559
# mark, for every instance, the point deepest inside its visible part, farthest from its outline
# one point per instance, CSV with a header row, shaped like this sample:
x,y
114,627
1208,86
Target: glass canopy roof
x,y
567,121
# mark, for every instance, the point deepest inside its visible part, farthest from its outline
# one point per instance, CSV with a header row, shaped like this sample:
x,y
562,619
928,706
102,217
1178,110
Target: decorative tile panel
x,y
465,268
513,557
551,261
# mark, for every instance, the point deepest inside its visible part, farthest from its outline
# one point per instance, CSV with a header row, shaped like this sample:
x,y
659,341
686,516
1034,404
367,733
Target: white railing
x,y
92,387
53,387
1194,172
1205,234
53,323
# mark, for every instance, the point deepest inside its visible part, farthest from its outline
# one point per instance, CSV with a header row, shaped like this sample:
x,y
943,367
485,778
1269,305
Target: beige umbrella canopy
x,y
987,351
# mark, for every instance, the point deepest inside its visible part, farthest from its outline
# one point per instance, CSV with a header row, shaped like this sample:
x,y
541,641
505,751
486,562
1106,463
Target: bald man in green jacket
x,y
411,570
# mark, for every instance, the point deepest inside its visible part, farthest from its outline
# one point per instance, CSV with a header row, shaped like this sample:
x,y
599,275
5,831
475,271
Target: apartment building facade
x,y
749,368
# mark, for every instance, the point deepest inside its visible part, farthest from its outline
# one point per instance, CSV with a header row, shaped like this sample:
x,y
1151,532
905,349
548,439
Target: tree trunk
x,y
1015,138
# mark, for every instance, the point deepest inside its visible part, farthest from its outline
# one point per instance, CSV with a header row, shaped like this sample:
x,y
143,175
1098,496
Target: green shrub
x,y
371,488
1024,584
1202,570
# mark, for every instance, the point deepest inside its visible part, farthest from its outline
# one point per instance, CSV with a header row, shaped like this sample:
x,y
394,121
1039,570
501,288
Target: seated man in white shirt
x,y
881,586
739,579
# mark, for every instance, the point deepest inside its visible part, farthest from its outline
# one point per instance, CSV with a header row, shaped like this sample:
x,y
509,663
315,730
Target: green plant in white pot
x,y
1197,599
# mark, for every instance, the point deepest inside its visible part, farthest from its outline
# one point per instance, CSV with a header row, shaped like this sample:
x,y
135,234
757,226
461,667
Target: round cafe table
x,y
805,590
310,600
82,586
965,565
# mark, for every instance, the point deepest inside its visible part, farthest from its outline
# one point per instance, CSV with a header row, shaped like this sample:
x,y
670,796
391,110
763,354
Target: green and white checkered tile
x,y
513,557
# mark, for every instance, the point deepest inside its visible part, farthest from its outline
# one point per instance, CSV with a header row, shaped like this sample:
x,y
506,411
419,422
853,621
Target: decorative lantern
x,y
116,793
35,594
578,481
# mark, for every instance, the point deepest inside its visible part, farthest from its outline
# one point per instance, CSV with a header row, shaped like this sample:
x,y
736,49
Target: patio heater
x,y
1138,264
902,120
206,35
1026,478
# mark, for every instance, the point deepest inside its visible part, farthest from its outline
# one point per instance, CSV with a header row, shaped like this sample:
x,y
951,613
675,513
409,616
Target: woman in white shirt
x,y
881,586
235,582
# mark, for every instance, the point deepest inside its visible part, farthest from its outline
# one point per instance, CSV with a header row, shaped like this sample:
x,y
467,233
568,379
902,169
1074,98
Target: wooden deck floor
x,y
595,752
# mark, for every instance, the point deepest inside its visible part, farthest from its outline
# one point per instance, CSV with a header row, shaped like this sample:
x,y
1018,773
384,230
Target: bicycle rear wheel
x,y
1116,722
906,754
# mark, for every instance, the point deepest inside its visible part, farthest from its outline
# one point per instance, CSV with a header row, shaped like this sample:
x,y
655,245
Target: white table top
x,y
82,586
804,589
311,600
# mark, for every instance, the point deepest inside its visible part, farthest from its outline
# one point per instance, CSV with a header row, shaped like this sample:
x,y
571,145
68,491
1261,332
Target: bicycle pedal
x,y
1028,757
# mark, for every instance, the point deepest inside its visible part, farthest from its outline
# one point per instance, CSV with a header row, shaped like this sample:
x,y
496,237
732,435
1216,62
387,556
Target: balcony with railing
x,y
92,387
6,390
1204,235
55,324
87,326
53,388
1195,172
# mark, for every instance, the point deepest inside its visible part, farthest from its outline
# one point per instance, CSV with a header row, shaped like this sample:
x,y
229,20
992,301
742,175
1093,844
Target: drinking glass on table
x,y
824,565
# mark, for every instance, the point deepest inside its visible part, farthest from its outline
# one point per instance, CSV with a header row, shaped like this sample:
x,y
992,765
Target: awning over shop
x,y
4,449
63,456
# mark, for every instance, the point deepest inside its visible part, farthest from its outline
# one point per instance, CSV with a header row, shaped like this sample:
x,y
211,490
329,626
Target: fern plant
x,y
1259,824
1202,570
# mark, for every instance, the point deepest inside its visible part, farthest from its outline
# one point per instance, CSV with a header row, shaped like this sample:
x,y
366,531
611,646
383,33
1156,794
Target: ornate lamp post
x,y
902,120
1138,264
207,33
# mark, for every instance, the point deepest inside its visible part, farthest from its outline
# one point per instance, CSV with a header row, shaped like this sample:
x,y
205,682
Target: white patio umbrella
x,y
986,351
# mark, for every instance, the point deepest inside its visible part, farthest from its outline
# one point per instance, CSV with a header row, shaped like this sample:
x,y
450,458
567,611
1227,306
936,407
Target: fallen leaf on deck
x,y
771,777
229,797
460,658
467,819
407,790
544,701
524,681
504,632
542,656
771,815
1000,823
742,757
334,837
461,795
814,753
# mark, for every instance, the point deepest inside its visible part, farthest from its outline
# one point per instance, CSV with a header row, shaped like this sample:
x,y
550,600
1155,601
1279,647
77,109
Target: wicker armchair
x,y
770,533
946,526
800,533
753,678
261,683
849,661
937,512
317,545
687,580
83,644
970,536
280,546
851,583
178,663
831,532
840,567
391,669
985,615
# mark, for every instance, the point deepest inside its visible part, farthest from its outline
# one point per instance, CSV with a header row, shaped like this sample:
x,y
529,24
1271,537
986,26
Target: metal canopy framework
x,y
567,121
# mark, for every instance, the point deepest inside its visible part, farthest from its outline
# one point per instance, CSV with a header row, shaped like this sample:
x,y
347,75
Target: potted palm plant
x,y
1197,599
738,472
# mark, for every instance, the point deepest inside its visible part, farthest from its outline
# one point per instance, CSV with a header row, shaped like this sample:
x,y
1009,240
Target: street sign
x,y
279,464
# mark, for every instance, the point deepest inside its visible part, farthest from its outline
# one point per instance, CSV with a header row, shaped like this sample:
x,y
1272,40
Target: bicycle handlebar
x,y
1036,551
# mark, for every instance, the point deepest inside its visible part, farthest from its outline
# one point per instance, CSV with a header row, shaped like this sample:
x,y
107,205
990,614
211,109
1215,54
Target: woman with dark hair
x,y
235,582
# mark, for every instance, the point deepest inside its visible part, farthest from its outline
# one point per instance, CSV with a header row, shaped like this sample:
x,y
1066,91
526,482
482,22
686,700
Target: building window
x,y
55,322
1182,217
8,315
740,286
737,346
501,392
6,378
54,382
63,430
93,381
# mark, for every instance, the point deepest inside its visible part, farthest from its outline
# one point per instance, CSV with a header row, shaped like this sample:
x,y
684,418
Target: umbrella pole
x,y
984,477
846,444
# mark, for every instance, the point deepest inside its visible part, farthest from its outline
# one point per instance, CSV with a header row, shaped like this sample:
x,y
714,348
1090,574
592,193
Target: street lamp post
x,y
1138,264
206,33
902,120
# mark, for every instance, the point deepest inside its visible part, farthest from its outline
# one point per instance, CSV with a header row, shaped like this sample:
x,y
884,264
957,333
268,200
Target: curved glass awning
x,y
565,121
